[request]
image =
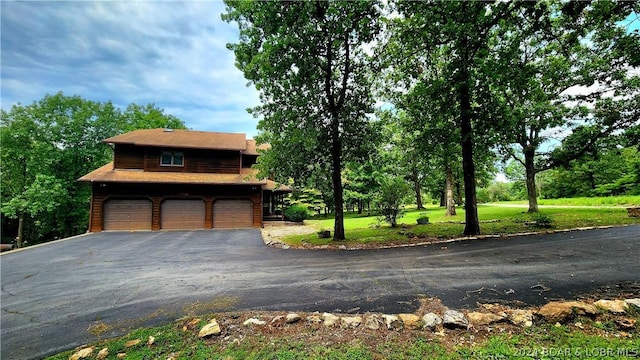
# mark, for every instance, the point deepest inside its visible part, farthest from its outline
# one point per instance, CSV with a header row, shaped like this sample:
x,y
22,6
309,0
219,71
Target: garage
x,y
232,213
127,214
182,214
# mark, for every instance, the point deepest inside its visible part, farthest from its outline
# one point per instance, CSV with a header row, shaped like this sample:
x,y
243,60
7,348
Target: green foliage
x,y
391,199
497,191
422,220
541,220
607,170
47,146
308,61
308,198
296,213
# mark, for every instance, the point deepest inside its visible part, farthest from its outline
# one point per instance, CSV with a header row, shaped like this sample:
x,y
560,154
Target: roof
x,y
276,187
252,147
182,139
107,173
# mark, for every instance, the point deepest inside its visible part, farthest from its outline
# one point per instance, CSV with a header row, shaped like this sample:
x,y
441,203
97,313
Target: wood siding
x,y
195,160
157,193
128,157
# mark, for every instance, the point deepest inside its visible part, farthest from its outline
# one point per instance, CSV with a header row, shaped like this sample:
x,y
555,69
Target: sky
x,y
169,53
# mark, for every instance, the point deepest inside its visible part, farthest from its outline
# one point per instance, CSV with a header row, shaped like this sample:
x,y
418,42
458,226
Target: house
x,y
181,179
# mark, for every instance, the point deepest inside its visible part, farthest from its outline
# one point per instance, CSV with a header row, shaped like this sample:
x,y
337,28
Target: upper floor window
x,y
172,158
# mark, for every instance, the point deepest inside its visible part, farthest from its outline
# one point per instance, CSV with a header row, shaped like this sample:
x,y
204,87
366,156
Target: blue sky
x,y
169,53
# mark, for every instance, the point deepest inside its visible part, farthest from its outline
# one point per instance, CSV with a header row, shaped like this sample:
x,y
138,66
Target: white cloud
x,y
172,54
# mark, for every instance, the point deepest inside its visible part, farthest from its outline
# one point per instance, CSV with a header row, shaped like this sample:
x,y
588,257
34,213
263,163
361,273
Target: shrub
x,y
542,220
422,220
391,198
296,213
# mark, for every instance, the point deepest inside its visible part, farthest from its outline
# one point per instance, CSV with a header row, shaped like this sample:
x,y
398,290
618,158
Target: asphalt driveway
x,y
54,297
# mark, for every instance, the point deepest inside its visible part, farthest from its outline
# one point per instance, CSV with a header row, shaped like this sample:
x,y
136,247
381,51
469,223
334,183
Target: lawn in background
x,y
496,219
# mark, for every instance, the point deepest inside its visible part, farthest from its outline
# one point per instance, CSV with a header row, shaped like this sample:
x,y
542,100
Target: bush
x,y
422,220
391,198
542,220
296,213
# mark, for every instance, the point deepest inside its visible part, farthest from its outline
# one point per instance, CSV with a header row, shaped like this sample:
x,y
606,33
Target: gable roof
x,y
182,139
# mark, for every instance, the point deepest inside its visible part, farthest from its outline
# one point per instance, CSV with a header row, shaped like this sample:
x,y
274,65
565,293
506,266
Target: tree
x,y
552,55
308,61
460,36
47,146
391,197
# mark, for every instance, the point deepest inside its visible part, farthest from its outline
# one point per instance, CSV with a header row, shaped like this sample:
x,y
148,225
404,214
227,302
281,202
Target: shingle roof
x,y
107,173
182,139
252,148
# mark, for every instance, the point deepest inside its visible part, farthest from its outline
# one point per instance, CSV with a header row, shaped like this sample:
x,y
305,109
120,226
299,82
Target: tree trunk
x,y
472,226
442,198
20,230
458,192
336,178
530,171
416,188
451,204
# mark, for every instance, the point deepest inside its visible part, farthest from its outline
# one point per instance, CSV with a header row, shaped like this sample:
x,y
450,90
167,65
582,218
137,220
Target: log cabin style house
x,y
181,179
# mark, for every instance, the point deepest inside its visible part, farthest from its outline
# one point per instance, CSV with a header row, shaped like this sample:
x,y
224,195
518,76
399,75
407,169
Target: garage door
x,y
182,214
127,215
232,213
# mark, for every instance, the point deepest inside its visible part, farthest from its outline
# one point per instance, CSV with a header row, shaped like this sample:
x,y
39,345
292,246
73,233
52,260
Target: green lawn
x,y
495,219
626,200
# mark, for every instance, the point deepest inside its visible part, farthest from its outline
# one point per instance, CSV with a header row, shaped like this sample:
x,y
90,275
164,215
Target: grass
x,y
626,200
495,220
539,342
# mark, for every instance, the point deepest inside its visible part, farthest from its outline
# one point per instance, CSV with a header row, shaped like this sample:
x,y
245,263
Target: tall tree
x,y
308,60
555,48
461,34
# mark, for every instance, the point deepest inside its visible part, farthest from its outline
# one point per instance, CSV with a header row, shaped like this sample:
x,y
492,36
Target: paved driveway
x,y
53,296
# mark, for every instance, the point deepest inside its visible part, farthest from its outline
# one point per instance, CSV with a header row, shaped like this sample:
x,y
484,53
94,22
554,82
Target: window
x,y
171,158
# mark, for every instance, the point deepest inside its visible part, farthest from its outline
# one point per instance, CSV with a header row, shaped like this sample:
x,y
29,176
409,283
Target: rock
x,y
193,323
151,340
393,322
211,329
626,324
614,306
481,319
455,319
82,354
521,318
329,319
278,321
351,321
131,343
373,322
314,319
430,321
293,318
633,302
410,320
558,311
102,354
254,321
